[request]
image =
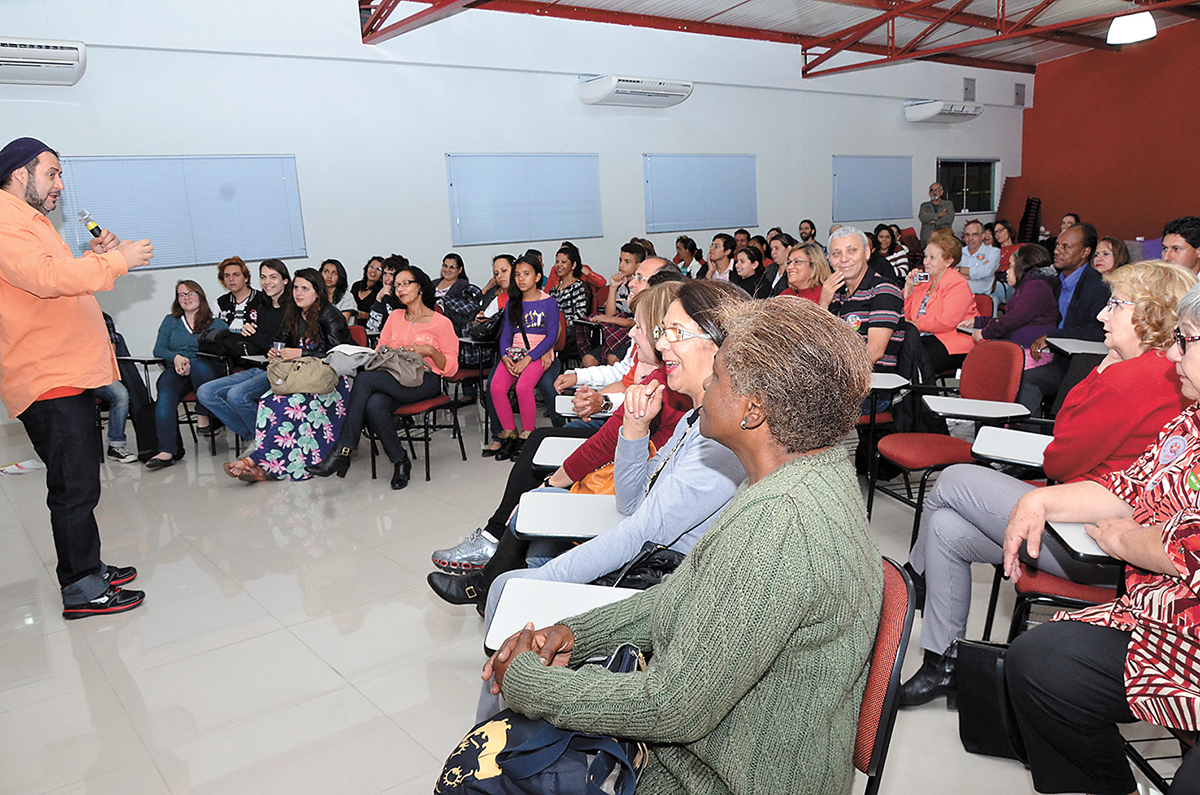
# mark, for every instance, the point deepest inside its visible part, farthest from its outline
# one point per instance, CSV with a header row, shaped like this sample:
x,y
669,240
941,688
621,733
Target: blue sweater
x,y
541,317
175,339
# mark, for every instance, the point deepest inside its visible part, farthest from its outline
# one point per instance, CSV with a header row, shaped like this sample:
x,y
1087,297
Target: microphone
x,y
86,219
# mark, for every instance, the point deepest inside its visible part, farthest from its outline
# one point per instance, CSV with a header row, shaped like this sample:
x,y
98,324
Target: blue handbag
x,y
510,754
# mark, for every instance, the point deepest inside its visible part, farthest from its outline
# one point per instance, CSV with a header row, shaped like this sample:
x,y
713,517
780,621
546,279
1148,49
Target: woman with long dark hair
x,y
337,287
376,393
366,289
178,345
571,292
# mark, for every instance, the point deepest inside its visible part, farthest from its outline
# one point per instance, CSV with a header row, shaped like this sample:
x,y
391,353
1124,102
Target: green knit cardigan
x,y
758,646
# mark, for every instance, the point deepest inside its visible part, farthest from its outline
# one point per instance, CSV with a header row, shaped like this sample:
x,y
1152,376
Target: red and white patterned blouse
x,y
1162,669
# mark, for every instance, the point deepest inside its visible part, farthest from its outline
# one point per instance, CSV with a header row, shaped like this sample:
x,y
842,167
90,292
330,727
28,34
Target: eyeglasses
x,y
1182,340
799,262
1115,303
676,334
637,277
190,294
404,282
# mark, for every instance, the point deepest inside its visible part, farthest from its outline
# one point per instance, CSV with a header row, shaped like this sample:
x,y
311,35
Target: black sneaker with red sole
x,y
114,600
119,575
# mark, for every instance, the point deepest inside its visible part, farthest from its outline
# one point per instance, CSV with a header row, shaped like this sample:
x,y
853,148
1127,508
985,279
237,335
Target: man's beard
x,y
36,202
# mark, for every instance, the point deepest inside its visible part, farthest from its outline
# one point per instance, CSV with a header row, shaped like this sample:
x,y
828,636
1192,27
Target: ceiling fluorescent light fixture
x,y
1131,28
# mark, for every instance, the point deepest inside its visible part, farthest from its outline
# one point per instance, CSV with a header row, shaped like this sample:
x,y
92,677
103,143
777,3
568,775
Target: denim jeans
x,y
171,388
64,435
234,399
117,397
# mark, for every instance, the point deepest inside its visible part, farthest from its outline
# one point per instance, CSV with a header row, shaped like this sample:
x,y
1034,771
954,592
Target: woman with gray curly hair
x,y
771,618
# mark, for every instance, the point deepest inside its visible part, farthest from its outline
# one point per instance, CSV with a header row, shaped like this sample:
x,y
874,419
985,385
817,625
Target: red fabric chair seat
x,y
1036,581
923,450
422,406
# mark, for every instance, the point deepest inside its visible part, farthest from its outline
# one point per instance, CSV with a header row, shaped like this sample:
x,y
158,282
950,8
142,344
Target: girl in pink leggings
x,y
527,337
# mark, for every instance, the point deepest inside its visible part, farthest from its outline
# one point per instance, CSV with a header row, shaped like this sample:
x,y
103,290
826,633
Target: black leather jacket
x,y
333,331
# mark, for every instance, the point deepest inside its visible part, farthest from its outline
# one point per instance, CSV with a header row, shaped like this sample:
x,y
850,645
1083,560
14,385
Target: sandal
x,y
234,469
251,473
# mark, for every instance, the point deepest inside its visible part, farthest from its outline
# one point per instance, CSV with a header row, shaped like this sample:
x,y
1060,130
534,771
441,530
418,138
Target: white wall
x,y
370,125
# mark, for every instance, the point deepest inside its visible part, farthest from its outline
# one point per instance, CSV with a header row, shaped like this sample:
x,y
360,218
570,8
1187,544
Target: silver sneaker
x,y
472,553
122,455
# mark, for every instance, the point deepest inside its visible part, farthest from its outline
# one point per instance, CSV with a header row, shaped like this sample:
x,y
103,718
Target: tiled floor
x,y
288,643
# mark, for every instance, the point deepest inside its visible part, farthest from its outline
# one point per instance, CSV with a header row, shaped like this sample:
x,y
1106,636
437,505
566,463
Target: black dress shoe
x,y
119,575
114,600
488,452
337,462
934,678
467,589
507,446
401,473
160,463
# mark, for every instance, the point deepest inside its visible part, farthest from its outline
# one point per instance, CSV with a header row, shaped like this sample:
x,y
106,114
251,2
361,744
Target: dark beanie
x,y
19,153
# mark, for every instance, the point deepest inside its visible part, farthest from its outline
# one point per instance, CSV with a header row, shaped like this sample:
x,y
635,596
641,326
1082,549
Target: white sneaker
x,y
472,553
122,455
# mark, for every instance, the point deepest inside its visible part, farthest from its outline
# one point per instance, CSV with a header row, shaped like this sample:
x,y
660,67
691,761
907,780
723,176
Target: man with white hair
x,y
872,304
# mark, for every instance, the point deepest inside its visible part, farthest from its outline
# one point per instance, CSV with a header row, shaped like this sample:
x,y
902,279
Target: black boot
x,y
337,462
935,678
507,445
465,589
401,473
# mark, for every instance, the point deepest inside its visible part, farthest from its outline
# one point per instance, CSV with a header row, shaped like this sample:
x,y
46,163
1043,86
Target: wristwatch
x,y
606,405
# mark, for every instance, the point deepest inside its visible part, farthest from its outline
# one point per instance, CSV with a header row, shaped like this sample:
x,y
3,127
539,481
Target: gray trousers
x,y
963,523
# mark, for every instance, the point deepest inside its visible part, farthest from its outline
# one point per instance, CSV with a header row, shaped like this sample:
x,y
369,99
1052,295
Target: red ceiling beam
x,y
1162,5
1027,20
977,21
934,26
374,34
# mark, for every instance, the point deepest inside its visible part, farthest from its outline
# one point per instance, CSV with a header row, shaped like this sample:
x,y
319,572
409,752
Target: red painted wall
x,y
1115,136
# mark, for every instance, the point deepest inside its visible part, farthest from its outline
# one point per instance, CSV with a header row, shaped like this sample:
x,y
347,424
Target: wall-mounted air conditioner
x,y
41,62
637,92
934,110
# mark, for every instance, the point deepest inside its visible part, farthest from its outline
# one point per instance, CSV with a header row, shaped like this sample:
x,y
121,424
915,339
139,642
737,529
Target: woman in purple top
x,y
527,337
1033,309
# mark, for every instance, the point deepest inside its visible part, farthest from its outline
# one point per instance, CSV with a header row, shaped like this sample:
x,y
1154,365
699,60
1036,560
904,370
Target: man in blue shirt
x,y
1084,293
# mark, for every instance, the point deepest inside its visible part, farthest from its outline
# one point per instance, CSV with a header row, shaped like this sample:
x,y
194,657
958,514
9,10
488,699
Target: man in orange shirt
x,y
54,351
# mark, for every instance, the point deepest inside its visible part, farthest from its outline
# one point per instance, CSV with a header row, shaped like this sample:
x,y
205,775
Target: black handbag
x,y
986,723
510,754
488,329
222,342
648,567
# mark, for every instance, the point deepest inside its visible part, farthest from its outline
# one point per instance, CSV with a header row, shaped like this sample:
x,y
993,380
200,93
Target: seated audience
x,y
741,239
234,306
178,345
1105,423
1032,310
1084,293
337,288
454,277
498,285
670,498
759,643
720,258
649,306
749,274
1073,680
615,319
292,431
455,296
879,263
571,293
593,280
937,300
234,399
870,303
806,270
989,238
366,289
116,395
378,393
776,267
891,249
527,336
1111,253
1181,242
807,231
386,301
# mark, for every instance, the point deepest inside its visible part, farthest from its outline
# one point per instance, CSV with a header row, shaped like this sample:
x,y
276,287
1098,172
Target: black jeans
x,y
510,552
65,437
376,394
942,360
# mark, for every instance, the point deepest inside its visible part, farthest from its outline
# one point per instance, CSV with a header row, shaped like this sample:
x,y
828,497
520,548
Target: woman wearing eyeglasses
x,y
1105,423
671,497
178,345
806,270
1074,679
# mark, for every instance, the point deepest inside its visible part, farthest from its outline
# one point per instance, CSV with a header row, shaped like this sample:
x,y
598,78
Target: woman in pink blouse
x,y
937,300
1134,658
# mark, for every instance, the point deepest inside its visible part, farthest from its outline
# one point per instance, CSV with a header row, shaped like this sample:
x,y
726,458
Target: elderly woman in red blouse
x,y
1137,657
937,300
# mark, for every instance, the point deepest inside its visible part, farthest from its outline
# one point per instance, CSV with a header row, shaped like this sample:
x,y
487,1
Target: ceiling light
x,y
1131,28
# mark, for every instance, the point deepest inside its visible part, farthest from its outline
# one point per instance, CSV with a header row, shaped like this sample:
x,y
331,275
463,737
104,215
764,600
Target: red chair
x,y
427,411
991,371
877,713
1036,587
984,305
359,335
